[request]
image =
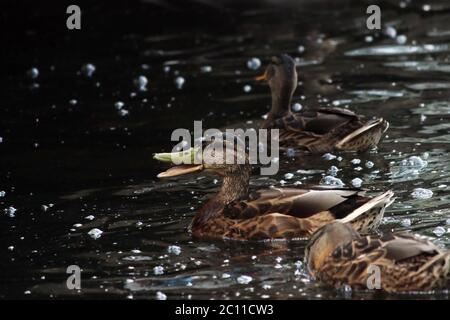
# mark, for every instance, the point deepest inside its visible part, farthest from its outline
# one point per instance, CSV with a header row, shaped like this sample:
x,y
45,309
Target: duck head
x,y
281,76
324,241
226,156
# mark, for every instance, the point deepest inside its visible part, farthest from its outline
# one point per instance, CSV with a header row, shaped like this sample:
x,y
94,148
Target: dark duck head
x,y
281,76
225,156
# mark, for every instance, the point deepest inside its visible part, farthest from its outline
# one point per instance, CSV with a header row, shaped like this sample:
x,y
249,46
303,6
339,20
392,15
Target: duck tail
x,y
368,216
376,123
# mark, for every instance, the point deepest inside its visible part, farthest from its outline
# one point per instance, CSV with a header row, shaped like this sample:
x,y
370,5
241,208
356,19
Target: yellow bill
x,y
183,160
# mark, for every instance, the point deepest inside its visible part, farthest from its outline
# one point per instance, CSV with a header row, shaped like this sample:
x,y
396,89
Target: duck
x,y
273,213
316,131
338,255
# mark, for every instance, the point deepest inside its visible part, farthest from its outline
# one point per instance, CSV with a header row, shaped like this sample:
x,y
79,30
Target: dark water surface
x,y
85,159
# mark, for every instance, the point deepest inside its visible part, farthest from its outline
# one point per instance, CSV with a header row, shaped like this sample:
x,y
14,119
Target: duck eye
x,y
275,61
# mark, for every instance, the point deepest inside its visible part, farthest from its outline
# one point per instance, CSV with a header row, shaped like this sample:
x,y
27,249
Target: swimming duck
x,y
320,131
235,213
336,254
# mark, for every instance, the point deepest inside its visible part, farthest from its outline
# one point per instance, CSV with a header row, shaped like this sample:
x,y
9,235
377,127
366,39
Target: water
x,y
87,160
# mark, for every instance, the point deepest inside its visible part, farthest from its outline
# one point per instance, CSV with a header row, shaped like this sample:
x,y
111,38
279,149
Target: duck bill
x,y
187,157
183,163
180,170
262,77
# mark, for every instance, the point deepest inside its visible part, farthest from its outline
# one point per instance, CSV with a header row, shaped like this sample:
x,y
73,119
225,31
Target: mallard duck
x,y
273,213
320,131
337,255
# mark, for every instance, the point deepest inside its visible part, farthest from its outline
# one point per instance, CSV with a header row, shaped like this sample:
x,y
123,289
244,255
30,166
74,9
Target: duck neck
x,y
235,187
281,101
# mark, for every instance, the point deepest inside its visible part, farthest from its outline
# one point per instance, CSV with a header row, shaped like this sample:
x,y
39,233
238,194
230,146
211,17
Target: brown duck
x,y
338,255
273,213
320,131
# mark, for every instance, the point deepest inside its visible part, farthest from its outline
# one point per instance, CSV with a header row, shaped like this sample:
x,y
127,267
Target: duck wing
x,y
299,203
328,129
317,122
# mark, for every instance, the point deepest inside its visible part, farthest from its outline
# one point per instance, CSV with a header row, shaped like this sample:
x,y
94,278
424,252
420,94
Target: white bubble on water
x,y
391,32
439,231
332,181
411,166
2,194
328,156
10,211
89,217
405,222
401,39
33,73
288,176
88,69
95,233
254,63
414,162
357,182
333,171
141,83
206,69
356,161
300,49
247,88
158,270
421,193
160,296
244,279
119,105
179,82
123,112
296,107
174,249
369,164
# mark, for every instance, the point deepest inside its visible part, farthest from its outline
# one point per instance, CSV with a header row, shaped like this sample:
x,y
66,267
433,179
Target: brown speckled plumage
x,y
320,131
337,255
235,213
